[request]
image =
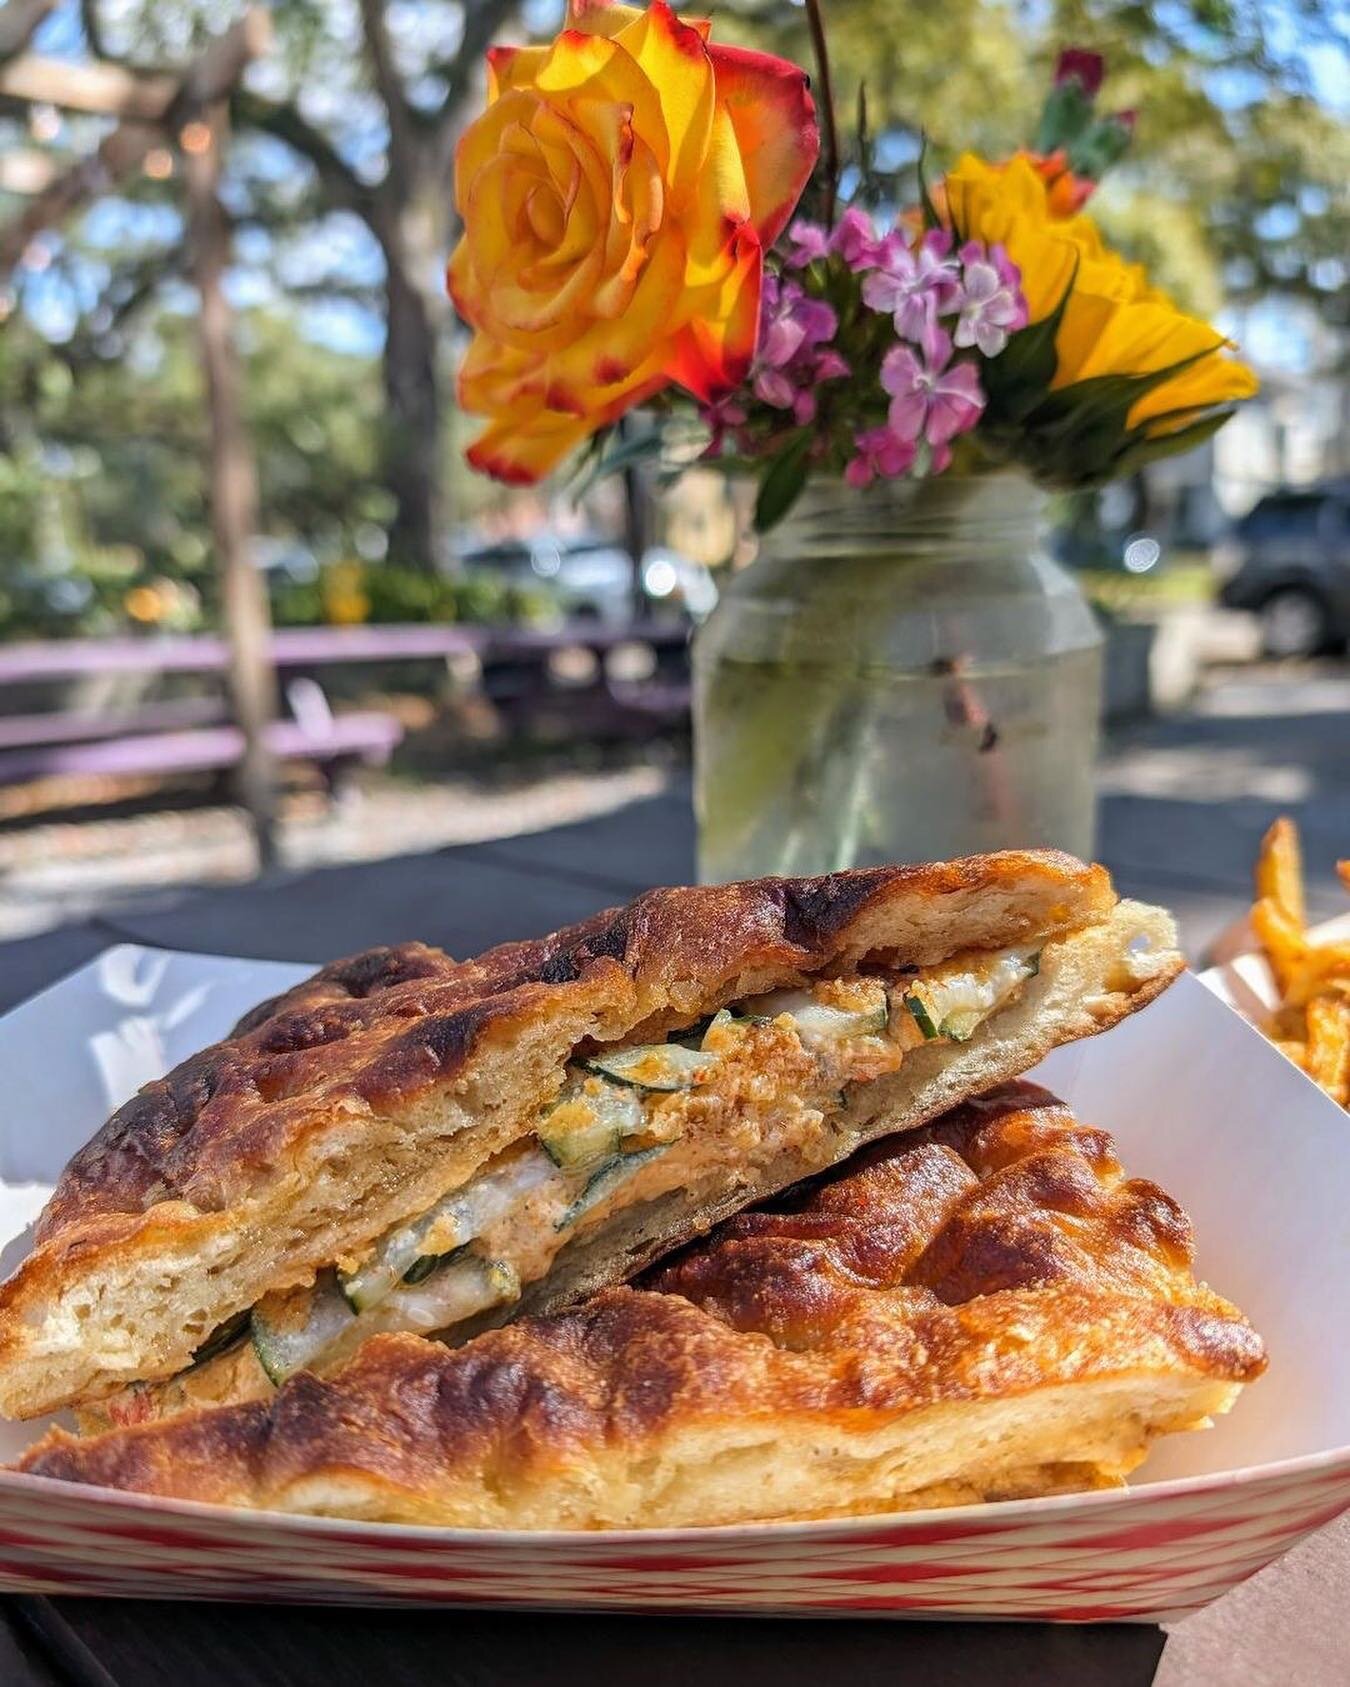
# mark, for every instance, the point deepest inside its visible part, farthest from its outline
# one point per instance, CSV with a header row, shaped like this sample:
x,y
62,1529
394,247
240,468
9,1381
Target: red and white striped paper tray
x,y
1196,1099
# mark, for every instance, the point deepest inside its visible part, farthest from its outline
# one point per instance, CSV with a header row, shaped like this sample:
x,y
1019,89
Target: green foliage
x,y
1080,435
1230,139
784,479
389,594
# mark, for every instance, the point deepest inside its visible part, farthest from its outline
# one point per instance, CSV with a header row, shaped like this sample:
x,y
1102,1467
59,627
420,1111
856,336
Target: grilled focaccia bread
x,y
407,1142
983,1309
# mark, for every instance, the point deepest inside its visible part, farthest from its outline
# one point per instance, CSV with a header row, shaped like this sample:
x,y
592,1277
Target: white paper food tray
x,y
1195,1098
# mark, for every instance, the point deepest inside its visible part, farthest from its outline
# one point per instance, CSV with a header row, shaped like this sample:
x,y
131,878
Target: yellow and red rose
x,y
618,196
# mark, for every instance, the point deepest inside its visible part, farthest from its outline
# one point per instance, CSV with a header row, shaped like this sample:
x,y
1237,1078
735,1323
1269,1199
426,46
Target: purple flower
x,y
771,386
722,417
932,398
855,239
915,288
880,452
788,360
807,241
992,304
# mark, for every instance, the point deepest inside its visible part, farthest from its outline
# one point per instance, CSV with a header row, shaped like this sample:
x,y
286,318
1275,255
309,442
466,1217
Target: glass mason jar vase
x,y
903,674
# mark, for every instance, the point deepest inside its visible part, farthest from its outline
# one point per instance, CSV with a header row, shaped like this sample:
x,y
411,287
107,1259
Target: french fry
x,y
1282,939
1279,871
1322,967
1328,1060
1292,1050
1311,1020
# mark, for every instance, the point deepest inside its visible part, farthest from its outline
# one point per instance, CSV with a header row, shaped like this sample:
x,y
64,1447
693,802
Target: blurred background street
x,y
246,291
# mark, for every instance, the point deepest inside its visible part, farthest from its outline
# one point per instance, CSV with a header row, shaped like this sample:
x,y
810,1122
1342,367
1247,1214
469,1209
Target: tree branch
x,y
403,148
92,26
124,149
18,24
829,139
284,123
482,20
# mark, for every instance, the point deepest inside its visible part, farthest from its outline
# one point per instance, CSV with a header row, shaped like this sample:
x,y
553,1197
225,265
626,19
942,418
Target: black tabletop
x,y
464,899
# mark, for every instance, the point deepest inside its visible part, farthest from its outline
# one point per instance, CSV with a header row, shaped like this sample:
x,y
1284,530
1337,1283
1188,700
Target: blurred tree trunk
x,y
19,20
234,491
410,212
413,432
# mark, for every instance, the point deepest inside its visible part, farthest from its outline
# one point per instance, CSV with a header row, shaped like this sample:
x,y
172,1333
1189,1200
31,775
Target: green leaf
x,y
930,216
597,465
1103,393
1017,380
1065,115
1151,447
866,147
1099,147
783,483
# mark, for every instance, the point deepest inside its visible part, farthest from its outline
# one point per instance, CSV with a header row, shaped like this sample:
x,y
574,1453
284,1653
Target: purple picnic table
x,y
303,647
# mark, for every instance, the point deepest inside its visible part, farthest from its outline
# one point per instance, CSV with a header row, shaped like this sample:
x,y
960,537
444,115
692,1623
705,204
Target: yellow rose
x,y
617,195
1114,323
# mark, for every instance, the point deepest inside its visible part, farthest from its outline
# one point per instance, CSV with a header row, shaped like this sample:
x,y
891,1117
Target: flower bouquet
x,y
629,202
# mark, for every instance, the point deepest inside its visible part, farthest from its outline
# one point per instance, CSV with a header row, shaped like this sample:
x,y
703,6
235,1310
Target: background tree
x,y
361,102
339,189
1236,186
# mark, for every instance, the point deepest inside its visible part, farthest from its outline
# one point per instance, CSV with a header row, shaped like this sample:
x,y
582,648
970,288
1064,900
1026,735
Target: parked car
x,y
1288,561
591,578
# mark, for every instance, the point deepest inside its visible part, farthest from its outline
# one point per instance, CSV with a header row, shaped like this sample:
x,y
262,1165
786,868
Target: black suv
x,y
1289,561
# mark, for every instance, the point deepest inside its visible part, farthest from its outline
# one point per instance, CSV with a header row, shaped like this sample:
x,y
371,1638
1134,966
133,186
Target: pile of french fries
x,y
1312,1022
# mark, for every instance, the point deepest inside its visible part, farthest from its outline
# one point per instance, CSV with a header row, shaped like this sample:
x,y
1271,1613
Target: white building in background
x,y
1294,432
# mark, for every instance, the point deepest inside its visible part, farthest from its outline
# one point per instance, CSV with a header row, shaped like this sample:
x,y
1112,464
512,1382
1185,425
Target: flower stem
x,y
829,137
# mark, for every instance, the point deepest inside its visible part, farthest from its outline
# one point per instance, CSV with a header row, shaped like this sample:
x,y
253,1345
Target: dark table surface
x,y
465,899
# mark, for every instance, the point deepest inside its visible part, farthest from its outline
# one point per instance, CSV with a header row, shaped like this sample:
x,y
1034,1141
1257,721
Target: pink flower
x,y
992,304
880,452
932,398
790,361
722,417
807,241
915,288
772,387
855,239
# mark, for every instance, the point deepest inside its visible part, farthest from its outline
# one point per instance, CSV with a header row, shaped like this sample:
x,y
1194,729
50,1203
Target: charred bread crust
x,y
380,1027
999,1255
345,1106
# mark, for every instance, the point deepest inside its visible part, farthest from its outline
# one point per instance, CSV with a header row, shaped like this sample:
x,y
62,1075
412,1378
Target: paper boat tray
x,y
1196,1099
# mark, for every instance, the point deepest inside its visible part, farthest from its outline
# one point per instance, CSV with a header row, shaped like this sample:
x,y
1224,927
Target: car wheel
x,y
1294,623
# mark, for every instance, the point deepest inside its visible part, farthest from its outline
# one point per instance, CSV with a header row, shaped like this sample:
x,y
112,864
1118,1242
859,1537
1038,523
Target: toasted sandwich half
x,y
984,1309
410,1143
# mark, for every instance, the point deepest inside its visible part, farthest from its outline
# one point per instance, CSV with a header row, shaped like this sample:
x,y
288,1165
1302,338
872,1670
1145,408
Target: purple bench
x,y
194,734
316,647
76,726
367,738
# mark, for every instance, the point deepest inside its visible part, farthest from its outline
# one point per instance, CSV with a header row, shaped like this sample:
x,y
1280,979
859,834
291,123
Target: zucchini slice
x,y
451,1293
922,1019
589,1122
608,1178
223,1336
653,1066
818,1022
956,1003
463,1213
293,1330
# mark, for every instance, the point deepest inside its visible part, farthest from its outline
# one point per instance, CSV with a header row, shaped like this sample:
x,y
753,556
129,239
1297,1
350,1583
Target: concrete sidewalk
x,y
1185,799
